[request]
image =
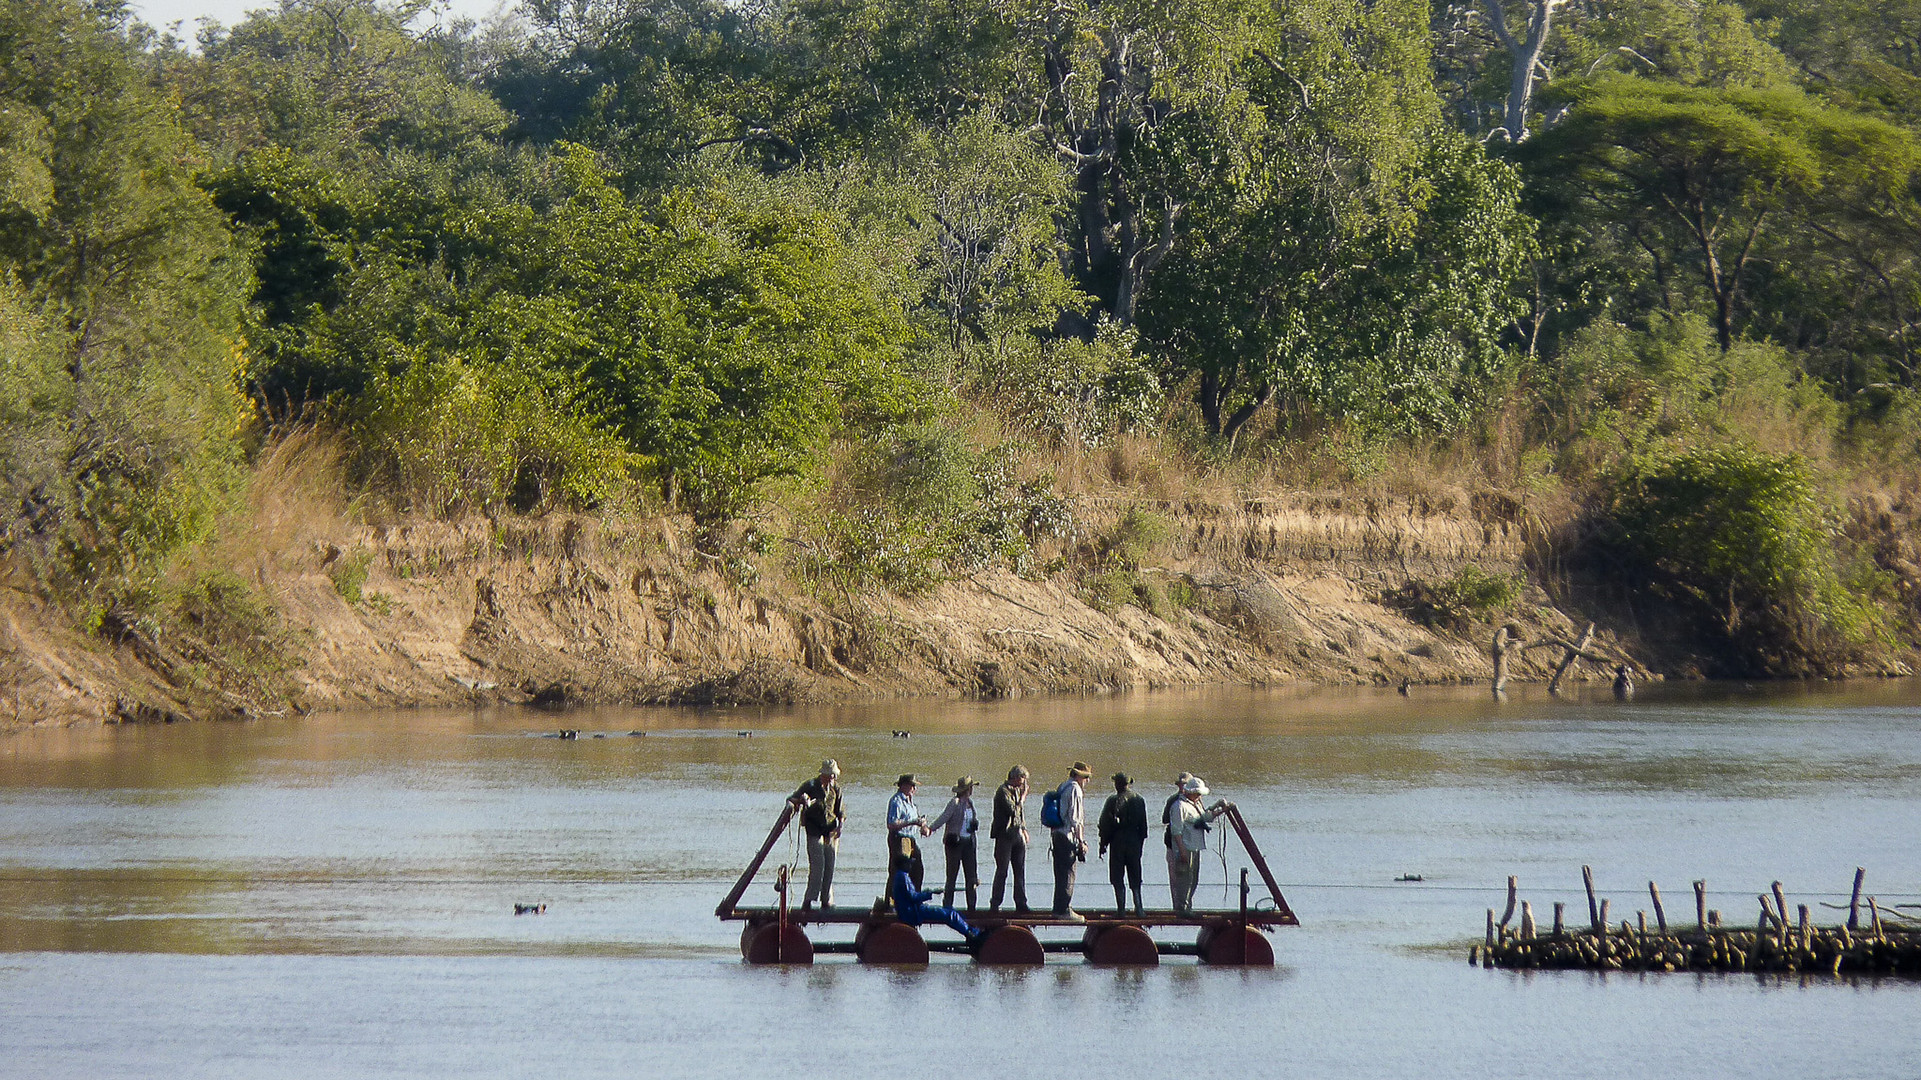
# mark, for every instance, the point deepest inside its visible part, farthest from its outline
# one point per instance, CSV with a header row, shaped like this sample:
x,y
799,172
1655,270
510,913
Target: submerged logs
x,y
1775,944
1831,950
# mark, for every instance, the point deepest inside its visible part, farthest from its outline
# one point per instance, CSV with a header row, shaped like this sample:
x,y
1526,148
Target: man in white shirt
x,y
1190,824
905,826
1070,839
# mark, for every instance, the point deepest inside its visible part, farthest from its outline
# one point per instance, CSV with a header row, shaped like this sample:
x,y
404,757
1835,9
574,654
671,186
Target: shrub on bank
x,y
1739,543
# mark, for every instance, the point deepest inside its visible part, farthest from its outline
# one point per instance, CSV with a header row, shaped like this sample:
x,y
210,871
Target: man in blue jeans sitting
x,y
911,905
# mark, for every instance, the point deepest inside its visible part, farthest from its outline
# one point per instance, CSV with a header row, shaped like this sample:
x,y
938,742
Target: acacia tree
x,y
1703,179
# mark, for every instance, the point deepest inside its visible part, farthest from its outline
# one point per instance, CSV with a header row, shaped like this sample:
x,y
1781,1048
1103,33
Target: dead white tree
x,y
1525,56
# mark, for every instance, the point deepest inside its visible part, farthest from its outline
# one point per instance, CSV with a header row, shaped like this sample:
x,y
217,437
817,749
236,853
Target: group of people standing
x,y
1122,832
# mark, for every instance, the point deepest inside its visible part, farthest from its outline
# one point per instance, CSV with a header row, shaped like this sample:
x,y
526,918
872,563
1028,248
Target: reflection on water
x,y
360,869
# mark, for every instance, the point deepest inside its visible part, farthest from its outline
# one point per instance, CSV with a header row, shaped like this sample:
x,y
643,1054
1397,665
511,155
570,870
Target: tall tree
x,y
122,293
1702,179
1523,55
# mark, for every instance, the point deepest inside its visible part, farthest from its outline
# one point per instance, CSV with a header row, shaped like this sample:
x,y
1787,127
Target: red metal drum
x,y
892,943
1121,944
769,945
1010,946
1233,945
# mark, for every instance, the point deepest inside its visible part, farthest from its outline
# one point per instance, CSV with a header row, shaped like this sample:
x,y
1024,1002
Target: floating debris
x,y
1408,877
530,909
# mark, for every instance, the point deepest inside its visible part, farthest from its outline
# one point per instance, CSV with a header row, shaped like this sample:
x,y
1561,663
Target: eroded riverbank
x,y
581,611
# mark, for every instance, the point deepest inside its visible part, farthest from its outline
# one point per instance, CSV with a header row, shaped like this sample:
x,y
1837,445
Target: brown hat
x,y
905,779
1079,771
964,785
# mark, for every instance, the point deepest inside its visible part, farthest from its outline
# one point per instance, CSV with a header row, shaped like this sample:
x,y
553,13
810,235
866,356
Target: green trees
x,y
719,338
121,295
681,246
1703,181
1381,308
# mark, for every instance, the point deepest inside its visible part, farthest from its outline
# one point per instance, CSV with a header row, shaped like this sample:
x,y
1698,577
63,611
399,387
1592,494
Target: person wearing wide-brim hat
x,y
961,824
1124,830
905,826
1190,825
1070,837
821,815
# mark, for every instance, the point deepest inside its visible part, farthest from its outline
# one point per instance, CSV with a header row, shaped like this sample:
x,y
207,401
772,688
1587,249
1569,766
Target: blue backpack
x,y
1051,809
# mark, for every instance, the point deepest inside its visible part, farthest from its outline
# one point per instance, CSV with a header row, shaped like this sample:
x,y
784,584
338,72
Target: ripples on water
x,y
333,895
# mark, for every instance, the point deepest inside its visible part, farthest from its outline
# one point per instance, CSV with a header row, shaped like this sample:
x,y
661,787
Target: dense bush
x,y
710,252
444,436
1739,542
922,505
121,305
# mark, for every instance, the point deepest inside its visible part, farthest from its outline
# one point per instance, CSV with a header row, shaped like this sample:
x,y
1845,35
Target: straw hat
x,y
830,768
1079,771
964,785
1194,786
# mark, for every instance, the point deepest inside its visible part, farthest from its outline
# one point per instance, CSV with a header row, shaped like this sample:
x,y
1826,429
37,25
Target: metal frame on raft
x,y
1237,938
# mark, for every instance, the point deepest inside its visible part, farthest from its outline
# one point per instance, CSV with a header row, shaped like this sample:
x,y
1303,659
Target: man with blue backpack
x,y
1063,810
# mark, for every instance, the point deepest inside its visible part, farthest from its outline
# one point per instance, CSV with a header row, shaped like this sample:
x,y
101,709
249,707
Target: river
x,y
333,895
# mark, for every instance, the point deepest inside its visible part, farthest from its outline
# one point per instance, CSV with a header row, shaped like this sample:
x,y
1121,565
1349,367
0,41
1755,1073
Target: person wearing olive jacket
x,y
821,814
1009,833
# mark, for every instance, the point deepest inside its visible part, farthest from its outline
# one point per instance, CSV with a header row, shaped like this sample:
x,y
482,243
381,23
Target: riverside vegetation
x,y
830,308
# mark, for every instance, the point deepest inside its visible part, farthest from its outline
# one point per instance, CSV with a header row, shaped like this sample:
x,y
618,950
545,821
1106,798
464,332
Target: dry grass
x,y
296,499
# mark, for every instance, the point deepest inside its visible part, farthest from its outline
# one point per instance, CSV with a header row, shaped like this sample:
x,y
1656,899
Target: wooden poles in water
x,y
1854,900
1507,640
1573,653
1889,946
1499,649
1593,913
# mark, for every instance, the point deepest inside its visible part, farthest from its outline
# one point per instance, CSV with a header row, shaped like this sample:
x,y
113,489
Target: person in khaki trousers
x,y
959,825
821,814
1190,825
1009,833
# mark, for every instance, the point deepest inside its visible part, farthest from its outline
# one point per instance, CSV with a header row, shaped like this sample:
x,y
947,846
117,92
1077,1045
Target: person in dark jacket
x,y
1009,833
1124,832
821,814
